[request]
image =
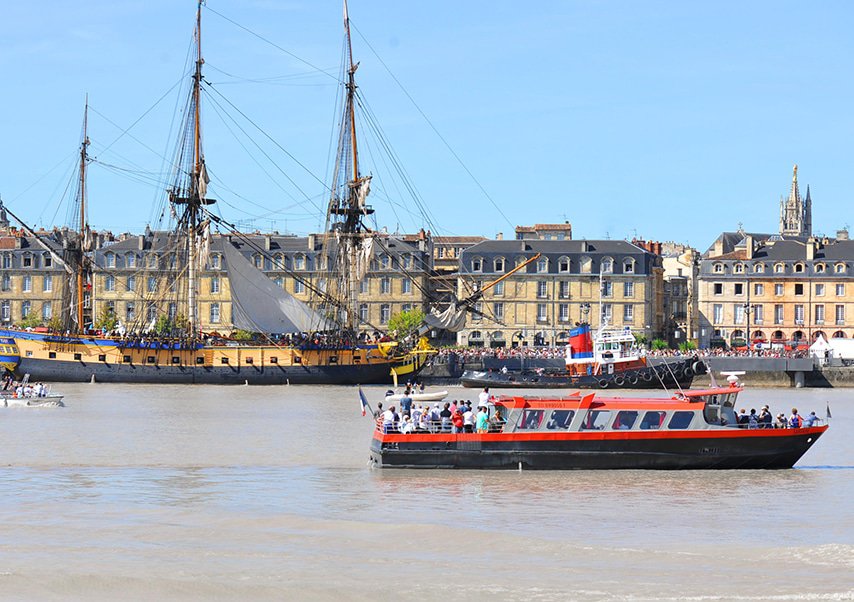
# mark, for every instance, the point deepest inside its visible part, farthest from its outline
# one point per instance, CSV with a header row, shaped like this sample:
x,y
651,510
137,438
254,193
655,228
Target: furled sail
x,y
452,319
259,305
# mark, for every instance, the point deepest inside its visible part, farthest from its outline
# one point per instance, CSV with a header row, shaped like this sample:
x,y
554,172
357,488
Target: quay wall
x,y
761,371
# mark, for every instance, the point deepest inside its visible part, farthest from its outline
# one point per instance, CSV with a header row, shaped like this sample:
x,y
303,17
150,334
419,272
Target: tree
x,y
241,335
31,321
405,323
163,326
659,344
640,339
686,346
107,320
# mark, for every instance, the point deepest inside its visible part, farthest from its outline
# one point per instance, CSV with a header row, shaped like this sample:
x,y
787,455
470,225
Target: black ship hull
x,y
52,370
771,449
679,373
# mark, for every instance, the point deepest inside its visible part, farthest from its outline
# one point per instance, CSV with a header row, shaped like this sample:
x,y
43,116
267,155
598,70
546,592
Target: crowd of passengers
x,y
22,389
765,420
454,417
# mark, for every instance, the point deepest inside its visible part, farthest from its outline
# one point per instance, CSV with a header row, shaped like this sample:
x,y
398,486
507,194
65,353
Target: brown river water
x,y
137,492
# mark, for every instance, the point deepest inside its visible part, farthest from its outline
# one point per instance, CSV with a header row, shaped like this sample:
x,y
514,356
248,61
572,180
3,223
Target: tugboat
x,y
610,360
687,430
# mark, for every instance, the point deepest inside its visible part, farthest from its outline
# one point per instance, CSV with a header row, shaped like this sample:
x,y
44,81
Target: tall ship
x,y
167,290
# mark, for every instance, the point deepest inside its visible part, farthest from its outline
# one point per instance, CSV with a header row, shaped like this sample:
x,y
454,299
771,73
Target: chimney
x,y
719,247
584,247
748,240
311,242
140,242
267,242
842,234
811,245
499,236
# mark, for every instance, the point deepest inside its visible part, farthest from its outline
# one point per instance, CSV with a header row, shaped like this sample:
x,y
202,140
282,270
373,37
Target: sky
x,y
661,120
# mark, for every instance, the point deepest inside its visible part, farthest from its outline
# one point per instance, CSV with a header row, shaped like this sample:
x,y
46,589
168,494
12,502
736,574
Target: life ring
x,y
603,384
619,381
647,375
633,379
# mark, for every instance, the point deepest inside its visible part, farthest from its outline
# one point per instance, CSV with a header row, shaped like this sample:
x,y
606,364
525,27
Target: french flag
x,y
364,401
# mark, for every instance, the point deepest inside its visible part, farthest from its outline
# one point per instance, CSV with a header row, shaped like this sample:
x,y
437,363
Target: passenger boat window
x,y
560,419
680,420
625,420
596,420
652,420
531,419
712,414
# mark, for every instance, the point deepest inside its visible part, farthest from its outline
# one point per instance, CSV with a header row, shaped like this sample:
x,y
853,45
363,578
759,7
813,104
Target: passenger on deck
x,y
482,420
406,427
781,422
811,420
496,423
388,420
406,401
457,421
795,420
379,411
445,415
742,417
753,419
483,397
468,419
765,418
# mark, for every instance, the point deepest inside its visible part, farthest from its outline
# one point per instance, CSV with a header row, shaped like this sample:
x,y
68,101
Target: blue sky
x,y
669,120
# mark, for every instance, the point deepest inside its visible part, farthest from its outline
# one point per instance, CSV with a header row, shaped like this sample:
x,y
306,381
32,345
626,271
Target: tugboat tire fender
x,y
688,372
647,375
633,379
619,381
697,367
603,384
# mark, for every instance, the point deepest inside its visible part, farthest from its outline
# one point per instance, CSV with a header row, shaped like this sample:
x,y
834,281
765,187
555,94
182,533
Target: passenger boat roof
x,y
576,400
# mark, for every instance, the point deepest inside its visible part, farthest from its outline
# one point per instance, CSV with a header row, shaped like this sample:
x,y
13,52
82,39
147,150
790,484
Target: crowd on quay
x,y
765,420
457,416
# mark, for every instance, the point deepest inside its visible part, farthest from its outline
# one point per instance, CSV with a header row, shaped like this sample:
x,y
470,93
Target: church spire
x,y
795,215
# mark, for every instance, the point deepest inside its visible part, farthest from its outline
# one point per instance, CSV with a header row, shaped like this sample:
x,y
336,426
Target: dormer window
x,y
738,268
607,265
840,268
109,260
477,264
799,268
779,268
216,262
385,262
718,268
499,265
542,265
586,265
130,260
628,266
299,262
819,268
407,262
563,265
759,268
258,260
47,260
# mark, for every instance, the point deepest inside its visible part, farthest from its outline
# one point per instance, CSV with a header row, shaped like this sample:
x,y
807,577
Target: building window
x,y
819,268
215,313
563,265
563,312
607,265
564,289
130,260
759,268
542,312
758,314
215,284
778,314
799,288
799,314
299,262
299,287
7,261
840,315
840,268
542,265
172,311
607,289
607,312
385,262
840,290
779,268
628,290
498,311
47,310
130,311
478,312
364,286
385,313
151,312
6,311
819,290
476,264
25,308
738,313
819,314
152,284
216,262
628,314
799,268
739,288
406,286
498,289
758,289
629,266
499,265
27,283
738,268
363,312
542,289
778,289
47,283
385,285
718,268
110,260
719,288
110,283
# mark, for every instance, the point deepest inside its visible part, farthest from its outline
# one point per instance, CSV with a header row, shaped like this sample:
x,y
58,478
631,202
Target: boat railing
x,y
430,427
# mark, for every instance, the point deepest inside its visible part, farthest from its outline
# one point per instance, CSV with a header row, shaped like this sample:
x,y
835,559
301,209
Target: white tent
x,y
820,347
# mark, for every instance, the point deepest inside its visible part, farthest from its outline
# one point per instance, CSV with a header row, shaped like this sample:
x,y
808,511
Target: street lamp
x,y
747,309
585,311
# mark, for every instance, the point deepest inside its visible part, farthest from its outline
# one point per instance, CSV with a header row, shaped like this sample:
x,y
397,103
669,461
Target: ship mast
x,y
348,207
82,224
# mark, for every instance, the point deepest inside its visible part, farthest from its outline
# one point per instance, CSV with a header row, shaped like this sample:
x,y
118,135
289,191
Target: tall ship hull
x,y
77,359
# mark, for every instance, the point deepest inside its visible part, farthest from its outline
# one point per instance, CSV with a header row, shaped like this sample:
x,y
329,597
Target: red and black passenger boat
x,y
687,430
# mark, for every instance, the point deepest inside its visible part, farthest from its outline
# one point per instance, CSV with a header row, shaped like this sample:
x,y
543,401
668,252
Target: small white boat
x,y
417,397
47,401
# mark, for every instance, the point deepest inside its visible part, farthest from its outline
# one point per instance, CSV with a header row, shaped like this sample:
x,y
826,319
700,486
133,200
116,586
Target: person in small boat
x,y
743,418
483,397
468,419
406,401
765,418
445,415
496,423
753,419
795,420
482,422
388,420
457,421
